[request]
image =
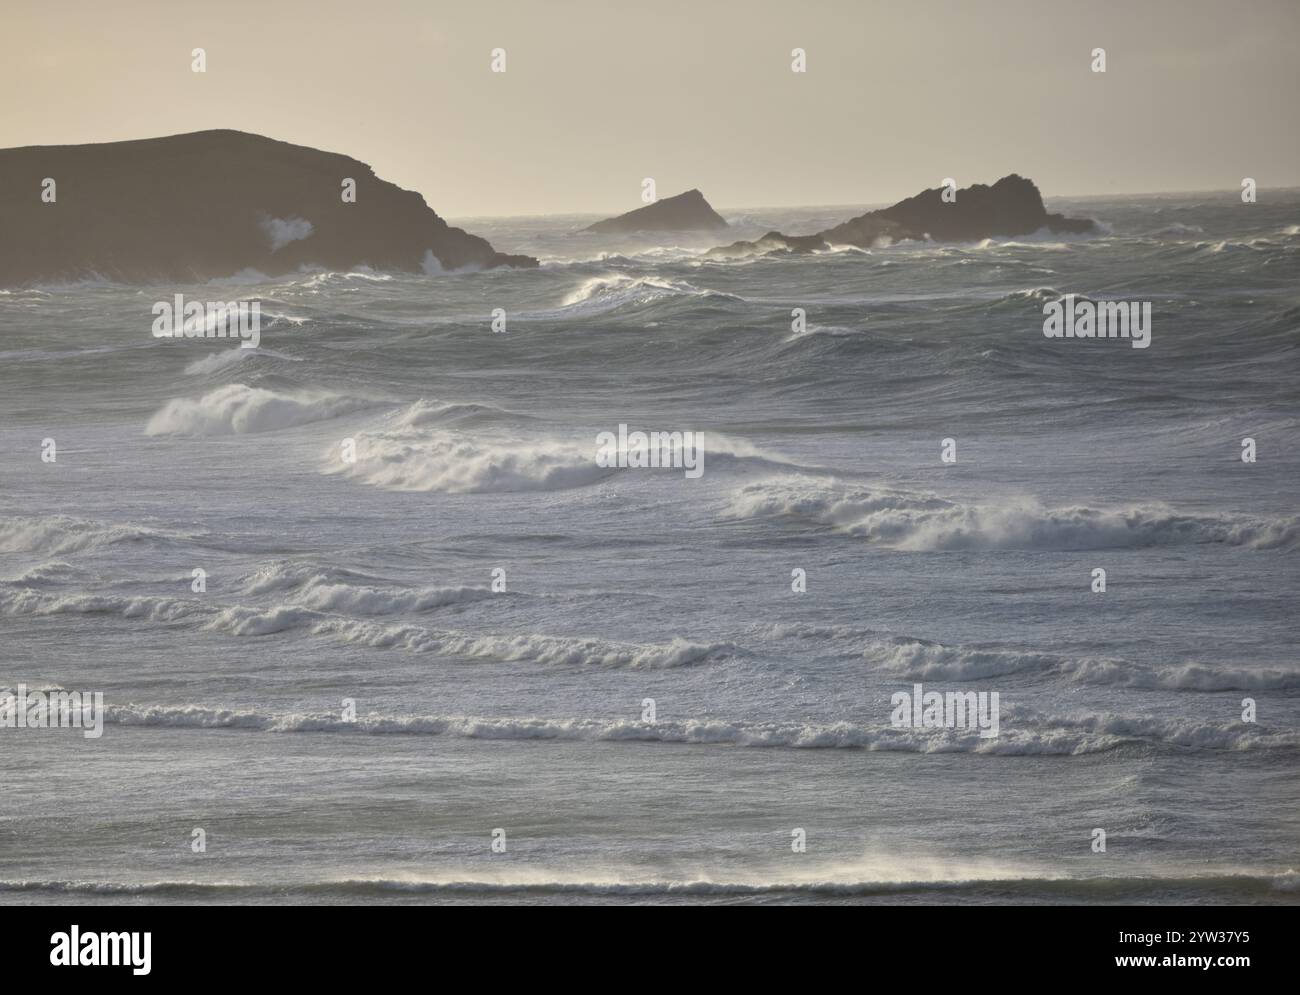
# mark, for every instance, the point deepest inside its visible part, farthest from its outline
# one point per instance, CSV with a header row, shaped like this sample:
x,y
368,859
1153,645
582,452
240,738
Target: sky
x,y
599,94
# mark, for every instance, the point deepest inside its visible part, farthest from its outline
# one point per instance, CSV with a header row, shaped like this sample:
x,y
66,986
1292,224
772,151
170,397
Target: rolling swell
x,y
1023,734
917,522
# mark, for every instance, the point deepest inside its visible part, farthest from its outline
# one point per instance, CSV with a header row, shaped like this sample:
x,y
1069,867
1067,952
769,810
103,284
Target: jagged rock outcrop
x,y
1011,206
211,204
687,211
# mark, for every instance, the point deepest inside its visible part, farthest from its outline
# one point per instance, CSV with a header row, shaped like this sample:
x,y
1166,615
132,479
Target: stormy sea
x,y
373,623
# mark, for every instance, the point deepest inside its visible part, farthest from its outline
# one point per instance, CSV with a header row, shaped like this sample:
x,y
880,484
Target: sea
x,y
373,623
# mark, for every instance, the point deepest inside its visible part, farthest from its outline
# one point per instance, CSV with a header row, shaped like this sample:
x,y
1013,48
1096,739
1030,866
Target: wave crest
x,y
618,290
61,534
1035,736
923,660
917,522
237,409
460,464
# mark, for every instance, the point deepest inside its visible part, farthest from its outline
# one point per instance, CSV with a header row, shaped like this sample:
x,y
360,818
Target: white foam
x,y
919,522
530,647
603,293
237,409
399,459
323,595
60,534
1051,736
243,620
922,660
324,279
50,572
28,601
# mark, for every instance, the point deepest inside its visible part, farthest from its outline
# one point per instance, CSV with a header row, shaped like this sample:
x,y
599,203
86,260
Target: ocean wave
x,y
316,281
218,361
1179,229
1257,244
42,574
914,658
237,409
318,609
428,445
244,620
828,331
529,647
1021,734
917,522
428,412
400,460
617,290
285,575
332,590
29,601
324,588
870,876
56,535
409,453
1044,246
923,660
1037,294
805,630
247,620
1226,736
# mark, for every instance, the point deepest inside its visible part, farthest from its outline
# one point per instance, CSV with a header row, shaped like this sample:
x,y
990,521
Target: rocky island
x,y
1011,206
211,204
687,211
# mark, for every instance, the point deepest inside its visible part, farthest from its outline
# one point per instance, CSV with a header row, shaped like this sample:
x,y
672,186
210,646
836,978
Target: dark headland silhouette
x,y
208,205
687,211
211,204
1011,206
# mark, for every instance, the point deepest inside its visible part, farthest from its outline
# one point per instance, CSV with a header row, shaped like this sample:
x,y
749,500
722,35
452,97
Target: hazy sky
x,y
599,94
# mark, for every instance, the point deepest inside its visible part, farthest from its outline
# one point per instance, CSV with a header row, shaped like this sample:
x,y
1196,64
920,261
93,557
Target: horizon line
x,y
867,205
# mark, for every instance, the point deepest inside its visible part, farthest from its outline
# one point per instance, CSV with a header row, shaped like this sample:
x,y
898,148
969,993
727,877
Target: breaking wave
x,y
218,361
618,290
456,463
237,409
532,647
923,660
917,522
61,534
1030,736
28,601
318,615
330,589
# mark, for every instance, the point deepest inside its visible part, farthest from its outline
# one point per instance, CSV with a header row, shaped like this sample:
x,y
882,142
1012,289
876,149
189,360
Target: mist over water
x,y
372,579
